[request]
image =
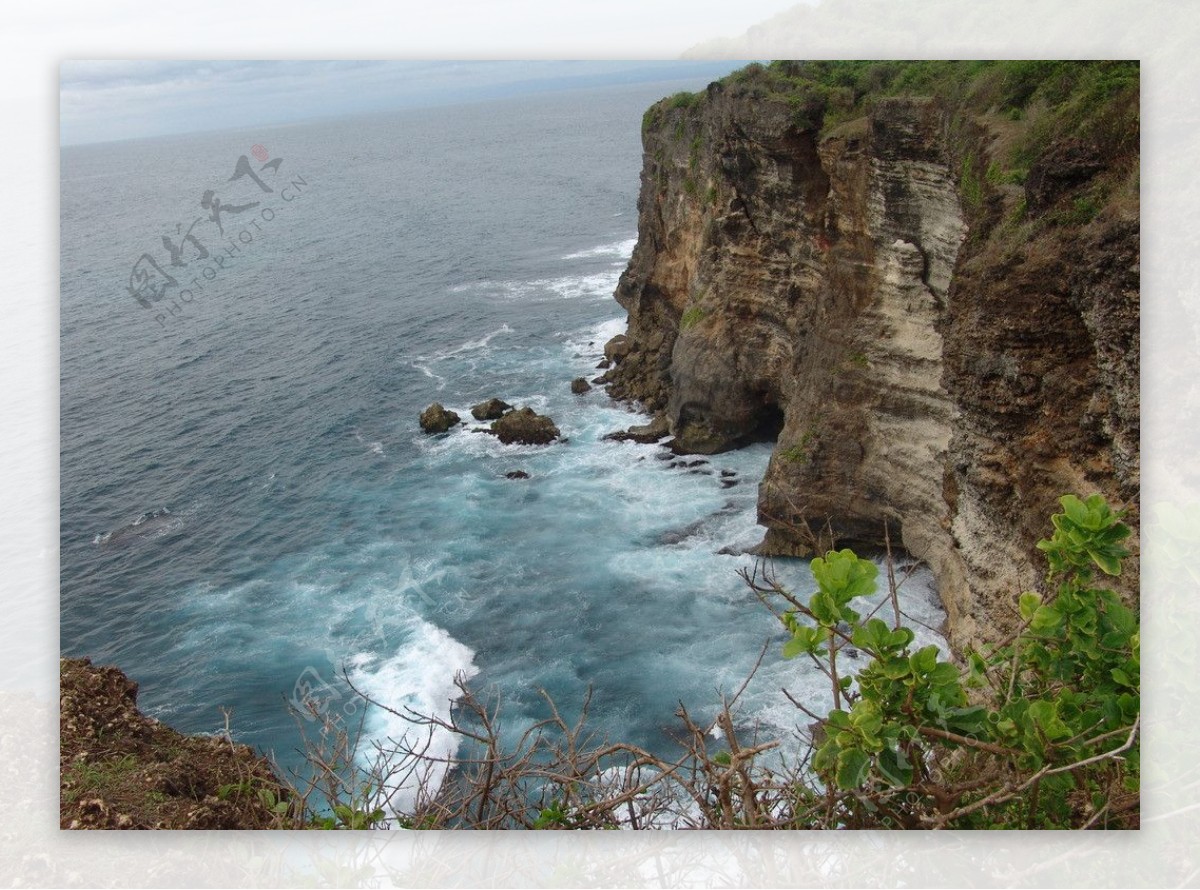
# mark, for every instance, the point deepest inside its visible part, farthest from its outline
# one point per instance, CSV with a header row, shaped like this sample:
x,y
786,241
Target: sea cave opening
x,y
769,424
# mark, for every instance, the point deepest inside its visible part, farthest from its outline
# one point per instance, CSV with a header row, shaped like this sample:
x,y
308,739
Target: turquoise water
x,y
309,526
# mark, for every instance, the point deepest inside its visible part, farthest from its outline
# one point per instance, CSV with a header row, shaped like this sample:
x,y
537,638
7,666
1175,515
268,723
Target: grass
x,y
801,452
97,778
691,317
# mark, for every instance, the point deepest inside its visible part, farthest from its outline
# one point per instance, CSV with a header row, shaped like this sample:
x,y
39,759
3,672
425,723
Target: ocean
x,y
249,508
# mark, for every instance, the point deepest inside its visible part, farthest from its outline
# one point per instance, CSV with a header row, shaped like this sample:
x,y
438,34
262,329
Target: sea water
x,y
251,518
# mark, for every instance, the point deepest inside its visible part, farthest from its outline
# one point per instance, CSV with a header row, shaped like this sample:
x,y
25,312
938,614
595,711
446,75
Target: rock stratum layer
x,y
932,301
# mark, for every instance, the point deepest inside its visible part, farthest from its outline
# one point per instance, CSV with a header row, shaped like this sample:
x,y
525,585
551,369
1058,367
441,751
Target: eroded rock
x,y
524,426
492,409
437,419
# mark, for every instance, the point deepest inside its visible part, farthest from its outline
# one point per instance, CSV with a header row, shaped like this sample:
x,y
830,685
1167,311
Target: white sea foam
x,y
418,679
472,345
373,447
593,286
425,363
589,343
622,249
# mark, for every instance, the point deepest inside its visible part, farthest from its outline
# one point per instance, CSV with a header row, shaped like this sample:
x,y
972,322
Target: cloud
x,y
106,100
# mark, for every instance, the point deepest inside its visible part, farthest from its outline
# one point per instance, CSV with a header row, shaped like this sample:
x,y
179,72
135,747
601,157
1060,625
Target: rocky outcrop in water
x,y
436,419
943,341
492,409
525,426
646,434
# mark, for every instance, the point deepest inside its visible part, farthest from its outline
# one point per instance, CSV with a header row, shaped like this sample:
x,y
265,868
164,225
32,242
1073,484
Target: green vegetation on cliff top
x,y
826,93
1006,117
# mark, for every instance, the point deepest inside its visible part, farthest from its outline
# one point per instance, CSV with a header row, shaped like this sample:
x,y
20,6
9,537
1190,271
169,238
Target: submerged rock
x,y
516,474
579,386
492,409
436,419
525,427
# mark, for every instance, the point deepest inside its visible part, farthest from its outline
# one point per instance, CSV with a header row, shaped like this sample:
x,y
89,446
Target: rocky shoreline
x,y
941,340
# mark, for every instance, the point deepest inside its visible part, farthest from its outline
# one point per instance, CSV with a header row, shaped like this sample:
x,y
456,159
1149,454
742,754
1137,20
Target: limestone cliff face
x,y
936,370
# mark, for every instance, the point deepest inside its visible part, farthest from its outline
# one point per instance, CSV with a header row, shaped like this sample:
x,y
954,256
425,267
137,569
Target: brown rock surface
x,y
436,419
525,427
939,354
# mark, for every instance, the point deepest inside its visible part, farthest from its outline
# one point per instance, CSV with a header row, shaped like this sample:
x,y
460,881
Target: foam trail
x,y
374,447
622,249
472,345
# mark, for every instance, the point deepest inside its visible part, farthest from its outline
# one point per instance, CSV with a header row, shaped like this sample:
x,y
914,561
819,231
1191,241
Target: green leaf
x,y
825,760
843,576
1045,618
1045,715
852,767
866,717
1109,563
804,640
838,719
871,636
944,674
1028,604
824,609
924,660
894,766
1074,508
967,720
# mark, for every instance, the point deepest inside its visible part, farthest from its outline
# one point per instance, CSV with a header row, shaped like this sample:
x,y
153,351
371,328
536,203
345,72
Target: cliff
x,y
119,768
922,278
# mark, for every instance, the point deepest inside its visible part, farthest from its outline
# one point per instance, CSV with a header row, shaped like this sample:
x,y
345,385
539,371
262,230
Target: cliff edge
x,y
922,280
119,768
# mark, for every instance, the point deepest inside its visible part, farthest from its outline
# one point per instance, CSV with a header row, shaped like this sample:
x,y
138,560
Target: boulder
x,y
579,386
646,434
525,427
617,348
516,474
436,419
492,409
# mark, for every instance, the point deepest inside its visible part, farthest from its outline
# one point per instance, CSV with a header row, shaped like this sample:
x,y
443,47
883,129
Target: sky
x,y
101,101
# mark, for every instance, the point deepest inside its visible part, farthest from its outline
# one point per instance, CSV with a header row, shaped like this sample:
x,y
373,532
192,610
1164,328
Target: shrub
x,y
1051,731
